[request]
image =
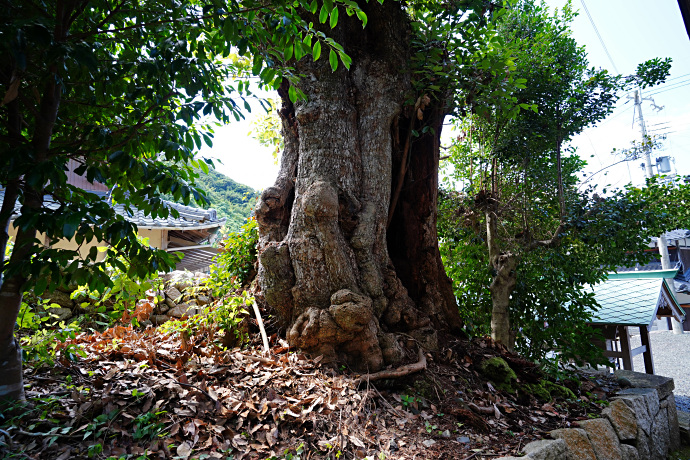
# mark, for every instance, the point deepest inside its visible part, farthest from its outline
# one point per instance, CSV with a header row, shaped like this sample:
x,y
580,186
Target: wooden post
x,y
625,347
648,360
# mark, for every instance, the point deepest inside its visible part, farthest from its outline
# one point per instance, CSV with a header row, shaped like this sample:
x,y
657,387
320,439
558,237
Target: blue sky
x,y
633,31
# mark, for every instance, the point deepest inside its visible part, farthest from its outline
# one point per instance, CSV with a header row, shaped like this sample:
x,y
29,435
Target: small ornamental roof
x,y
634,301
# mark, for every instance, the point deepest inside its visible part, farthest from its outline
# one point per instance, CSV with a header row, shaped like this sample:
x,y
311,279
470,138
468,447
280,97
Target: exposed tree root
x,y
396,373
482,410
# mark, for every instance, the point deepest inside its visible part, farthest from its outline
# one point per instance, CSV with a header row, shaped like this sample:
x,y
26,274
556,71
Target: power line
x,y
669,85
676,78
598,35
668,89
616,115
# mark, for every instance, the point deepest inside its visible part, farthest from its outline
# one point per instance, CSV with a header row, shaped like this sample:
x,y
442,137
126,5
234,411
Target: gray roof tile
x,y
189,217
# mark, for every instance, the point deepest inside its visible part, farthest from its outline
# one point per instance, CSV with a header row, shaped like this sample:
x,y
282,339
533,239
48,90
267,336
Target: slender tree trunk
x,y
343,284
12,288
11,380
504,266
559,168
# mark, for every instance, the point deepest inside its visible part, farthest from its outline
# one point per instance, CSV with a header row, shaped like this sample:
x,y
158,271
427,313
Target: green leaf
x,y
316,51
347,60
333,59
40,286
328,4
288,53
292,94
362,17
323,15
334,17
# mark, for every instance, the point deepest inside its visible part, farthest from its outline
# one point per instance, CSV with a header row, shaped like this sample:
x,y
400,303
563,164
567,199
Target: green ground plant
x,y
221,322
121,297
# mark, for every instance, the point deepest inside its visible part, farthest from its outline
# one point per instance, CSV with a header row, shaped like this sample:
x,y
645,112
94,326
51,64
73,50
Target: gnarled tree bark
x,y
341,281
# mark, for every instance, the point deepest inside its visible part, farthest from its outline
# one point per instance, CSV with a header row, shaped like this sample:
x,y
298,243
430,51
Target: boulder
x,y
650,396
622,419
547,449
638,405
669,405
182,279
157,320
61,298
173,294
203,300
643,443
603,438
62,314
182,311
579,446
661,439
629,452
663,385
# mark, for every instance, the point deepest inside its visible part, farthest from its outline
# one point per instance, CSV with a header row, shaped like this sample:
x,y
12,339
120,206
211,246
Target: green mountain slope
x,y
230,199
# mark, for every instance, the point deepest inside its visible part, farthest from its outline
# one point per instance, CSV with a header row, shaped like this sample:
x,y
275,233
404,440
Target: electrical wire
x,y
676,78
670,85
668,89
607,120
599,35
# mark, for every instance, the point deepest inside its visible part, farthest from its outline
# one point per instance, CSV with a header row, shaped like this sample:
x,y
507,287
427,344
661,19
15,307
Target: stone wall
x,y
181,295
641,423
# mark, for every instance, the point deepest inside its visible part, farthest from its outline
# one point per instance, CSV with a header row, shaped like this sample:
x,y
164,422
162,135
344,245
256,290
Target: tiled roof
x,y
189,217
631,302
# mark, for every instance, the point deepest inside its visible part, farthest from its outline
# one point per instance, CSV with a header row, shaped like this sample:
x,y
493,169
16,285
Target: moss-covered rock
x,y
498,371
538,390
558,391
546,391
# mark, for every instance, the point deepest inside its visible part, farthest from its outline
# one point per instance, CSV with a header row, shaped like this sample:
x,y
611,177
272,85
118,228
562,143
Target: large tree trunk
x,y
341,282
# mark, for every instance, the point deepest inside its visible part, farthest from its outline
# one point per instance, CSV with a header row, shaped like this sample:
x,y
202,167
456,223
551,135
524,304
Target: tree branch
x,y
170,21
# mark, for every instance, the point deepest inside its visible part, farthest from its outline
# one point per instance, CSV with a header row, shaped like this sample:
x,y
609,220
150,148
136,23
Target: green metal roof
x,y
632,302
644,274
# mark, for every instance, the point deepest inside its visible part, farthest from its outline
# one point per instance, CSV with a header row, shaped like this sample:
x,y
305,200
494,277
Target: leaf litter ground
x,y
144,394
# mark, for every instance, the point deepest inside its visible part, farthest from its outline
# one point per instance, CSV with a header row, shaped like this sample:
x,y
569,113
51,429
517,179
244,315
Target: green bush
x,y
235,264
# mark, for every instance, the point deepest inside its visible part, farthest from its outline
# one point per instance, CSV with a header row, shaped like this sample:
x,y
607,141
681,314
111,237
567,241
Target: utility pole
x,y
661,241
